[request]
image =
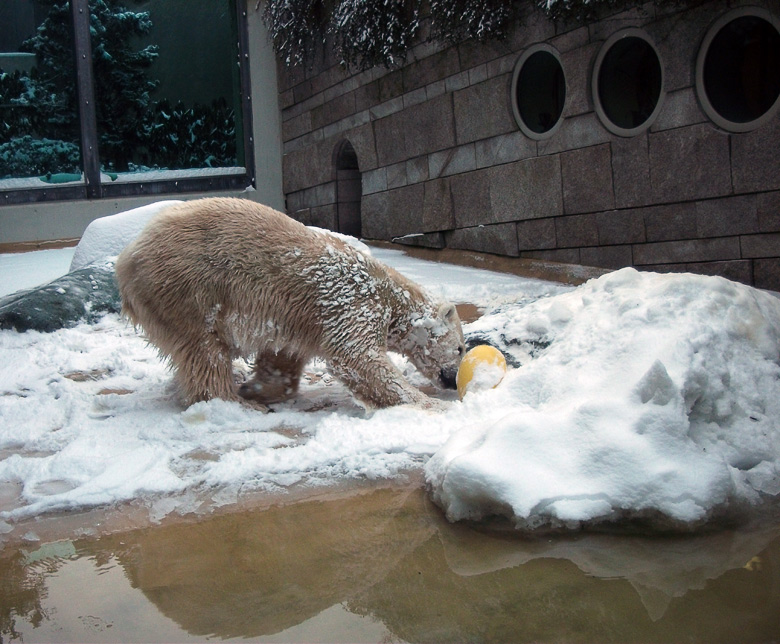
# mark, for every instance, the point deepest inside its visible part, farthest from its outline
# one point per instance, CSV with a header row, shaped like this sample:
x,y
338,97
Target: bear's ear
x,y
448,312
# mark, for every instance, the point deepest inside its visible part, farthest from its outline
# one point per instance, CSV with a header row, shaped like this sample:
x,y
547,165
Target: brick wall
x,y
443,162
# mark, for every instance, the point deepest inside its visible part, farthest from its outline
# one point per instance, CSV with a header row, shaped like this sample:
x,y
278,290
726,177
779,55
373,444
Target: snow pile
x,y
643,396
107,236
27,270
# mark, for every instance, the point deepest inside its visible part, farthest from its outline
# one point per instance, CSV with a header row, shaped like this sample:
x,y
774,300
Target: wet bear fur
x,y
214,279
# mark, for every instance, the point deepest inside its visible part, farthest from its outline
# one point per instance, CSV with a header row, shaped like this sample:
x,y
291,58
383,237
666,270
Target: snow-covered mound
x,y
107,236
642,396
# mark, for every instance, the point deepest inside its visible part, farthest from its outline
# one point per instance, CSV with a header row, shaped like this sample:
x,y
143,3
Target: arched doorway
x,y
349,190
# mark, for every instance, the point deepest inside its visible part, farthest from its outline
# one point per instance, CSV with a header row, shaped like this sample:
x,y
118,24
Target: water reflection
x,y
389,558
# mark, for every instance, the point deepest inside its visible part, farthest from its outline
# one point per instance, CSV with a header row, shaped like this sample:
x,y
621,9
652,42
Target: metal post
x,y
85,94
245,86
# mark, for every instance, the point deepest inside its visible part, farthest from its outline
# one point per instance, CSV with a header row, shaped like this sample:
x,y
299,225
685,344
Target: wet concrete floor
x,y
381,564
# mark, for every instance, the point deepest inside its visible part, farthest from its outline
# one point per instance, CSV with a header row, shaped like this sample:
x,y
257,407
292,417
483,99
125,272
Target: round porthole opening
x,y
538,92
628,83
738,70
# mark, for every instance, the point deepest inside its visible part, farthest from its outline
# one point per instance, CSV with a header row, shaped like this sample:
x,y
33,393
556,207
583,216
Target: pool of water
x,y
383,565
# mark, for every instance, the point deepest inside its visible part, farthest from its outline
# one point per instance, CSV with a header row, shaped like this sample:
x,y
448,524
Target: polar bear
x,y
213,279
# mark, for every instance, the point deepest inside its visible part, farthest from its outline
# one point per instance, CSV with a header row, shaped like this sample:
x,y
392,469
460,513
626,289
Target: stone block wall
x,y
443,163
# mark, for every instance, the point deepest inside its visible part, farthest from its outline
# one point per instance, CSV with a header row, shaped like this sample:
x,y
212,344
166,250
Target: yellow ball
x,y
483,367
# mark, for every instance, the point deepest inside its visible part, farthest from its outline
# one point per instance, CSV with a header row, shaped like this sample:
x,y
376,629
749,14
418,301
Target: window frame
x,y
701,92
91,186
614,128
534,49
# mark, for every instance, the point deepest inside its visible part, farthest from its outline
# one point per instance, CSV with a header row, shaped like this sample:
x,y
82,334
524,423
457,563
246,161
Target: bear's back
x,y
199,240
222,225
234,263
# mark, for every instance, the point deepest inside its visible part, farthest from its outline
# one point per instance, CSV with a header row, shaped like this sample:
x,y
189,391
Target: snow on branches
x,y
295,27
367,33
455,20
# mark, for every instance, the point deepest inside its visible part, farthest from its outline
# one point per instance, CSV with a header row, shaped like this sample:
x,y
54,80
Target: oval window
x,y
628,83
738,70
538,92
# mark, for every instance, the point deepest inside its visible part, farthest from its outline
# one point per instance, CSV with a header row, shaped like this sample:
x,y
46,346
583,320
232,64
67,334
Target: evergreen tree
x,y
38,111
367,34
455,20
122,88
196,137
295,28
43,103
50,90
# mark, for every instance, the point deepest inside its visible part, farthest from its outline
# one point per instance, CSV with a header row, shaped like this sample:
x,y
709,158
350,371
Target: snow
x,y
147,175
141,176
657,397
26,270
486,376
107,236
640,396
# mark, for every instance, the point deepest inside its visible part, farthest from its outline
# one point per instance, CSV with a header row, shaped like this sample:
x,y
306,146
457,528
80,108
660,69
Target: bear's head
x,y
433,342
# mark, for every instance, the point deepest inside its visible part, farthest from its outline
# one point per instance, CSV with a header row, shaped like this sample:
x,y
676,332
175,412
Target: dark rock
x,y
84,295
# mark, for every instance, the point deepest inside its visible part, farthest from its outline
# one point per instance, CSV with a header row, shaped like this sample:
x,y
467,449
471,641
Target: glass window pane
x,y
630,82
39,126
742,69
167,86
541,92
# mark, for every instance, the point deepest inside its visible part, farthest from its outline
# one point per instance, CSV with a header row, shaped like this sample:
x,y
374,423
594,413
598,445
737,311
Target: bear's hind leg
x,y
276,377
204,370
